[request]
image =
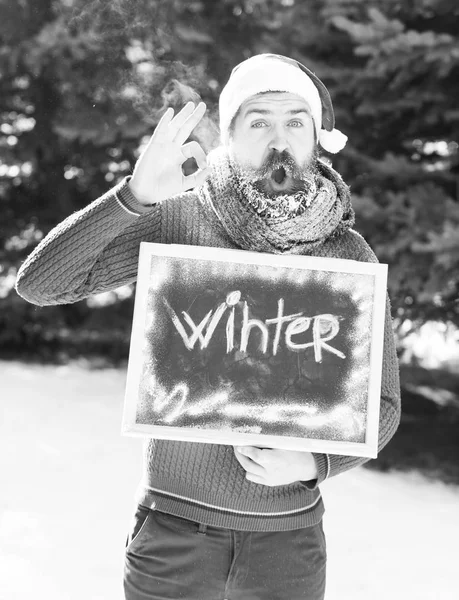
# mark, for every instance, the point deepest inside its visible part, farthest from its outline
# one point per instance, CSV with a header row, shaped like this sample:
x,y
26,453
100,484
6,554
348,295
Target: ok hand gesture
x,y
158,172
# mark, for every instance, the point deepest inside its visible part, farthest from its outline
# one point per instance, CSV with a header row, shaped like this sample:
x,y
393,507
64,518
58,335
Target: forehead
x,y
275,102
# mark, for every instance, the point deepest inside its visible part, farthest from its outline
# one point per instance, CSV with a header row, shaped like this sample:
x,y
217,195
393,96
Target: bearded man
x,y
213,521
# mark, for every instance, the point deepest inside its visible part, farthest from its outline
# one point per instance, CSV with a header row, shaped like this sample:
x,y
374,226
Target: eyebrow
x,y
263,111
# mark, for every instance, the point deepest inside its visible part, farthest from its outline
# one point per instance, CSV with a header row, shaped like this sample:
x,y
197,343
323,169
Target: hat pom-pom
x,y
332,141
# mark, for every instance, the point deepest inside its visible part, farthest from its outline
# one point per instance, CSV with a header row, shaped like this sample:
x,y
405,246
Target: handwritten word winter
x,y
323,328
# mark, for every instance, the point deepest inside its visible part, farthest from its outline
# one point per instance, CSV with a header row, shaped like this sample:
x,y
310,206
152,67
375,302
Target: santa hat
x,y
276,73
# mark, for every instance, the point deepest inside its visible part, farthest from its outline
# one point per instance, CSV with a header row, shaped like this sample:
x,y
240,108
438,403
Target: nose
x,y
279,140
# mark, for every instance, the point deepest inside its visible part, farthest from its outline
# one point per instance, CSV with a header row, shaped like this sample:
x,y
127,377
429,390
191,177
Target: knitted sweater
x,y
95,250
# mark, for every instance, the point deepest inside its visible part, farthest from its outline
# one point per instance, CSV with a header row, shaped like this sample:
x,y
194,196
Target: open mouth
x,y
279,175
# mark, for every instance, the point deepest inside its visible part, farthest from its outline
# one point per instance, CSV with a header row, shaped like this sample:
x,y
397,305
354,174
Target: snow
x,y
68,480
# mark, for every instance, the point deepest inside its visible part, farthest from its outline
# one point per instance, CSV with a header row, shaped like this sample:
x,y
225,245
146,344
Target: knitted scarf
x,y
249,220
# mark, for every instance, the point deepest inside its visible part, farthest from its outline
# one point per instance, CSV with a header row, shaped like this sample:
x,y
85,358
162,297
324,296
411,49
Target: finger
x,y
248,465
255,479
253,453
180,118
251,468
195,179
163,124
194,150
187,127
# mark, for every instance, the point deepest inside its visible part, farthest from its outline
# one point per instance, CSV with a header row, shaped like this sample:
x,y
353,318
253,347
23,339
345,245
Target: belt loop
x,y
202,529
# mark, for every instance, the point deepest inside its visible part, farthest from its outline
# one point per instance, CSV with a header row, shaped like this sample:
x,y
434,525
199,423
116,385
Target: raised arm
x,y
96,249
92,251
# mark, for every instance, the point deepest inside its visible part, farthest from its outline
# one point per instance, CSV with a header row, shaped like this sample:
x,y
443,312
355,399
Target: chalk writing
x,y
324,327
230,346
177,403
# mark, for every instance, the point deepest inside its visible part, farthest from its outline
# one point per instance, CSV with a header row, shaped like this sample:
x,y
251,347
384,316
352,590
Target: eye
x,y
258,125
296,123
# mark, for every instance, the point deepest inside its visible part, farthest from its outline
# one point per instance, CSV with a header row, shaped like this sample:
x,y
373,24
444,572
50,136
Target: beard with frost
x,y
256,185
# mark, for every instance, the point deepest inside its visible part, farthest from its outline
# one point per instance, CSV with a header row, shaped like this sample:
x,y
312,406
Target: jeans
x,y
169,557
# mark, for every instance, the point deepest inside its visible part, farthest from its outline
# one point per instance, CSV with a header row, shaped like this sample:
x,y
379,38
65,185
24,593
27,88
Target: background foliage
x,y
82,82
82,85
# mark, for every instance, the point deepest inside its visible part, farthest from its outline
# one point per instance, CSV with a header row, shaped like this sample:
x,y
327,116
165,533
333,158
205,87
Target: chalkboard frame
x,y
131,427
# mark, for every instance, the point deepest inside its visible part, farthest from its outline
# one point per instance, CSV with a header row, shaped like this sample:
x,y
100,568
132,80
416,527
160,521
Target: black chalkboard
x,y
237,347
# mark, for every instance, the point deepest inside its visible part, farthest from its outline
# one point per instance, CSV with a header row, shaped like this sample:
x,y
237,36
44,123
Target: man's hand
x,y
276,467
158,172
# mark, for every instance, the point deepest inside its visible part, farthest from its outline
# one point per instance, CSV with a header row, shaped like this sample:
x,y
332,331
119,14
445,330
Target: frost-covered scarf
x,y
293,224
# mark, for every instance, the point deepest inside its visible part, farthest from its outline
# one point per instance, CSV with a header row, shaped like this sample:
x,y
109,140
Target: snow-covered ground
x,y
67,482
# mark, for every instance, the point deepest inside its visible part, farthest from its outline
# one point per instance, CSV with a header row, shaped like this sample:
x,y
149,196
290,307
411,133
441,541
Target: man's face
x,y
273,142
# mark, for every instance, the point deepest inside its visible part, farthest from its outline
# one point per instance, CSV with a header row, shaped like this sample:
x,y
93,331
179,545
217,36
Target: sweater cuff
x,y
128,201
323,471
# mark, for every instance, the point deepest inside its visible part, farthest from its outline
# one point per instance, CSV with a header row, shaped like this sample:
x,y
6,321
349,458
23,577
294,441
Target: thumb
x,y
196,179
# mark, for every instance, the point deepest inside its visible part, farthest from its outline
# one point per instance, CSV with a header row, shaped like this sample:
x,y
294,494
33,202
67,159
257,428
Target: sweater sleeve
x,y
94,250
329,465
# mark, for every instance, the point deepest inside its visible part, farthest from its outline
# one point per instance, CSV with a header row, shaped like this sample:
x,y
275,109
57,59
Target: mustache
x,y
302,177
276,160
